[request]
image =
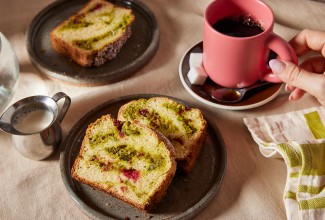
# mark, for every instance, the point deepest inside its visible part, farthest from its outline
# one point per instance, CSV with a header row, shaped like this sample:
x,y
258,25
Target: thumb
x,y
294,75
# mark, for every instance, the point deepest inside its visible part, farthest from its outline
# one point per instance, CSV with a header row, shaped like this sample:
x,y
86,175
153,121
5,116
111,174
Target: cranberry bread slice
x,y
127,160
95,34
184,127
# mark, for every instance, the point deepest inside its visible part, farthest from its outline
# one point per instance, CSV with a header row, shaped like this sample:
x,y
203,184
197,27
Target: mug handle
x,y
65,105
283,50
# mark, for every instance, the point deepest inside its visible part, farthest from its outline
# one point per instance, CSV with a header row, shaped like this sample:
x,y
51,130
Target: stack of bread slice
x,y
134,157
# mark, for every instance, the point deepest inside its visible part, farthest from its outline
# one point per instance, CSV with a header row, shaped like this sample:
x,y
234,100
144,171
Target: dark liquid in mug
x,y
243,26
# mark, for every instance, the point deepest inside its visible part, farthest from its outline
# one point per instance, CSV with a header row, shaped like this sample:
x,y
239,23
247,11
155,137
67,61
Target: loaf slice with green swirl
x,y
128,160
185,127
95,34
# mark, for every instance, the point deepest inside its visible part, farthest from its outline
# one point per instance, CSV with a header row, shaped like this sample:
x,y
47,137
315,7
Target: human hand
x,y
309,76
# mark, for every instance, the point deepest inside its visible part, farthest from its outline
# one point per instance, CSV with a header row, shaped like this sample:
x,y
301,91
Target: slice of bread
x,y
184,127
95,34
127,160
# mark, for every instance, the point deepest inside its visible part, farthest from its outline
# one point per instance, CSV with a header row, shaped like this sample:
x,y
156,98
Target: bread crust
x,y
88,58
160,191
187,164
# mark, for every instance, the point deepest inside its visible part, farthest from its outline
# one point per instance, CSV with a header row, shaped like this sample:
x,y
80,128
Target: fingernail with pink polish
x,y
286,88
290,97
277,66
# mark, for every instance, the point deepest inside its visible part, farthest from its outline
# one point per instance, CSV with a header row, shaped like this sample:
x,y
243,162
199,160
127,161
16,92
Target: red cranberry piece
x,y
123,188
143,112
131,174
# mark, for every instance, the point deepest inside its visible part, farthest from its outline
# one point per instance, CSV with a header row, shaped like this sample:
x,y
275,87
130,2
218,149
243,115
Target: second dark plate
x,y
135,53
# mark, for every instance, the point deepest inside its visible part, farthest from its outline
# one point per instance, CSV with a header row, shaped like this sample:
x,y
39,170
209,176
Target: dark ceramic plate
x,y
185,197
135,53
252,99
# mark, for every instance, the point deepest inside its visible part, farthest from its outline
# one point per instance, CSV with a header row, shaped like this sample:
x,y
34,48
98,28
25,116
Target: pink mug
x,y
233,56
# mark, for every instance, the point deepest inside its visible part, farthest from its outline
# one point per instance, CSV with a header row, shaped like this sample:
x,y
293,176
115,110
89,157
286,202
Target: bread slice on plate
x,y
127,160
185,127
95,34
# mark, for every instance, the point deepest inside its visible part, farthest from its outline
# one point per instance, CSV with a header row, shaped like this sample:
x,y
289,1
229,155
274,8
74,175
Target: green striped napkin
x,y
299,138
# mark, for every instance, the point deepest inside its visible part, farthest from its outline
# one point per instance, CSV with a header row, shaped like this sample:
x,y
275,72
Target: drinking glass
x,y
9,72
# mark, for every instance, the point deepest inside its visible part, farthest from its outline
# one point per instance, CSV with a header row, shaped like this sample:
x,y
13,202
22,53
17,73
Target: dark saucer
x,y
253,99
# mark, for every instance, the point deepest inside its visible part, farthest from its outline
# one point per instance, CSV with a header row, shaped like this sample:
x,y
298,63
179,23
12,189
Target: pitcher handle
x,y
65,105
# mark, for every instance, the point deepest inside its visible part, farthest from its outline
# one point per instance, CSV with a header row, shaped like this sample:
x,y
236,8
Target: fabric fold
x,y
299,138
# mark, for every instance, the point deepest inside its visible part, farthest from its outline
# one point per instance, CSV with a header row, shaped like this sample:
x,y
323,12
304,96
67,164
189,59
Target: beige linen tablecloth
x,y
34,189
